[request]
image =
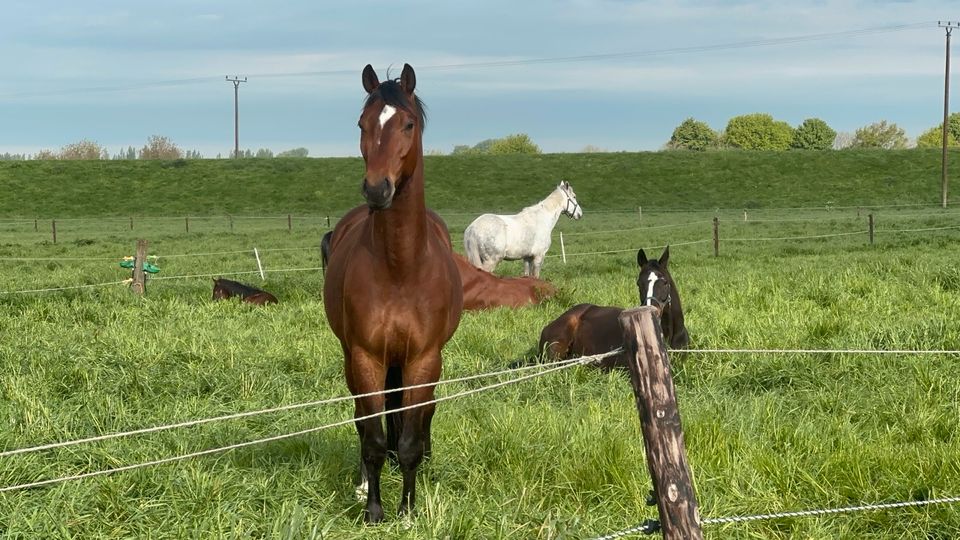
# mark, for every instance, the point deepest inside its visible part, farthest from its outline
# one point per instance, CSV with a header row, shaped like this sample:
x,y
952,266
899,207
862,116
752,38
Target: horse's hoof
x,y
373,516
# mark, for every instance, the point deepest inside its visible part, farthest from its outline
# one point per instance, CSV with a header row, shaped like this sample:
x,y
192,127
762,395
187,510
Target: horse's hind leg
x,y
394,400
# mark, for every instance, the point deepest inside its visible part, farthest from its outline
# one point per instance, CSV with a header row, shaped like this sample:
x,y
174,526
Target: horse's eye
x,y
408,127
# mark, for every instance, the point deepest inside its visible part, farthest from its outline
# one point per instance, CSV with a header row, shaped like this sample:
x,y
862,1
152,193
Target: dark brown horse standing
x,y
392,293
587,329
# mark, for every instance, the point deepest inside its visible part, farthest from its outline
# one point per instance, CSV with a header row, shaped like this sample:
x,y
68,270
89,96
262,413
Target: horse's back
x,y
584,329
261,298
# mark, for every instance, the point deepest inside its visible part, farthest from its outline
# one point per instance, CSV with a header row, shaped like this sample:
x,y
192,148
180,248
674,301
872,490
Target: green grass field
x,y
559,456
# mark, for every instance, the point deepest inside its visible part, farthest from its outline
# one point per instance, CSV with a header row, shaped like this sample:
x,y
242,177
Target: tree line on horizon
x,y
755,131
760,131
156,147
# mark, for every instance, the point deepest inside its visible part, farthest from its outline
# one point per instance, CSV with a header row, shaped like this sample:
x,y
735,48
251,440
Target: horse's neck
x,y
549,209
402,228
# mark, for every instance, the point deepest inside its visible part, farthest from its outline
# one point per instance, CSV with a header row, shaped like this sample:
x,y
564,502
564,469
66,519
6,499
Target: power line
x,y
236,113
805,38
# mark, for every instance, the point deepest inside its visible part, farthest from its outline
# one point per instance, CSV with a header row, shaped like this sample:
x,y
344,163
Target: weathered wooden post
x,y
716,237
35,226
289,223
640,211
660,422
870,227
186,222
744,215
131,223
53,227
328,222
231,222
139,284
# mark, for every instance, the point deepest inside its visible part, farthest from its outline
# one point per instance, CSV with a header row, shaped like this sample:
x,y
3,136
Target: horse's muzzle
x,y
379,196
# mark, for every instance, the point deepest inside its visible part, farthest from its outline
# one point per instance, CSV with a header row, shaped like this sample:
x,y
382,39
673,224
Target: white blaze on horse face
x,y
651,279
386,114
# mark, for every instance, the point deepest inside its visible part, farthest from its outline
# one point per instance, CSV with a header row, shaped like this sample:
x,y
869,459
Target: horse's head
x,y
219,291
654,283
390,128
571,206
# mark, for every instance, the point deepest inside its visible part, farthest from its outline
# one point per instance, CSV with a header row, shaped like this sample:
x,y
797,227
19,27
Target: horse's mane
x,y
235,287
391,93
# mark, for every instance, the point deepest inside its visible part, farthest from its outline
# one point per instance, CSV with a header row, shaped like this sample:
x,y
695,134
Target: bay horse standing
x,y
492,238
392,294
588,329
481,289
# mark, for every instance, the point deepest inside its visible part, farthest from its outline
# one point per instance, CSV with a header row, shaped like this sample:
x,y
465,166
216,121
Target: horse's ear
x,y
641,258
370,79
408,79
665,258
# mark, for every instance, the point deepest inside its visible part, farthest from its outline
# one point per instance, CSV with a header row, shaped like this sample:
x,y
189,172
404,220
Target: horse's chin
x,y
379,205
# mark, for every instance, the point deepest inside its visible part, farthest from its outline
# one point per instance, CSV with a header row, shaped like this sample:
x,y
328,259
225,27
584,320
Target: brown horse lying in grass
x,y
587,329
225,288
481,289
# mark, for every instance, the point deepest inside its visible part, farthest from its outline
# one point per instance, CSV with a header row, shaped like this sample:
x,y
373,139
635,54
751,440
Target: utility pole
x,y
948,26
236,113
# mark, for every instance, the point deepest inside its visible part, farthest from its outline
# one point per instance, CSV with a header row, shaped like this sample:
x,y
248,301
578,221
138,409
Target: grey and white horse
x,y
492,238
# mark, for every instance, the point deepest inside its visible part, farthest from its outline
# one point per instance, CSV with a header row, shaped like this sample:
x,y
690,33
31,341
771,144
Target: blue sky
x,y
117,72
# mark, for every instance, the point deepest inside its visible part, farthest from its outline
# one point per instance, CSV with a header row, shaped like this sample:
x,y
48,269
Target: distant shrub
x,y
758,131
693,135
296,152
519,143
83,150
813,134
933,138
159,147
880,134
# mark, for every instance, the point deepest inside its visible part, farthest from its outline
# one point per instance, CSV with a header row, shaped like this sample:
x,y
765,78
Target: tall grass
x,y
556,457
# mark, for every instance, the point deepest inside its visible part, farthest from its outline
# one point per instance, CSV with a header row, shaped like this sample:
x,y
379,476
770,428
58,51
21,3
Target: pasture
x,y
557,456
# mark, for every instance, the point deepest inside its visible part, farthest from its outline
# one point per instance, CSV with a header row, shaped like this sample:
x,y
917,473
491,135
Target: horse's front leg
x,y
536,263
528,266
367,376
415,434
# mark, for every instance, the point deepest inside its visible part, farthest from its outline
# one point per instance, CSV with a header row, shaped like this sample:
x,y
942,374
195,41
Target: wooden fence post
x,y
35,226
328,222
139,284
186,222
744,215
231,222
870,227
716,237
259,265
660,422
289,223
54,229
131,223
563,249
640,211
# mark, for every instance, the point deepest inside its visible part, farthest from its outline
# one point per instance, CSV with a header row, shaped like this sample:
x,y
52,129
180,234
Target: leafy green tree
x,y
296,152
264,153
159,147
693,135
519,143
882,134
933,138
758,131
813,134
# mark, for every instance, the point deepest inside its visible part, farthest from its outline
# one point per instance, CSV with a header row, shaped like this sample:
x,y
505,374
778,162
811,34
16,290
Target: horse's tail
x,y
471,247
325,250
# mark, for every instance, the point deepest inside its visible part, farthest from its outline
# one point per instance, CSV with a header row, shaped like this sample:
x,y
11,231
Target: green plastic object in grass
x,y
148,267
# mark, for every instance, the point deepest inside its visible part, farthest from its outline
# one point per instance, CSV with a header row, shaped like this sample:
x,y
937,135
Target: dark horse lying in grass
x,y
481,289
225,288
587,329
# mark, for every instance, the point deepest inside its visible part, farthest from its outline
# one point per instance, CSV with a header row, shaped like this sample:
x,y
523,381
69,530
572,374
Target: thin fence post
x,y
131,223
328,222
656,402
870,227
139,284
53,227
186,222
259,266
289,223
230,217
716,236
640,211
744,215
563,249
35,226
